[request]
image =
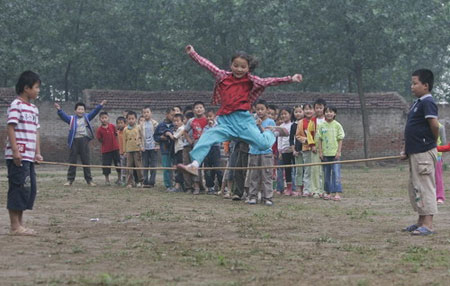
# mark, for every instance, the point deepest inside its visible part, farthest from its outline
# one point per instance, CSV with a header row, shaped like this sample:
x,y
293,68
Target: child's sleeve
x,y
208,65
64,117
311,130
94,112
340,133
177,134
99,134
270,81
14,114
300,134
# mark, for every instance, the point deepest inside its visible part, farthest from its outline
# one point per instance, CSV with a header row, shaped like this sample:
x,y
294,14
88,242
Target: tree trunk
x,y
66,81
362,100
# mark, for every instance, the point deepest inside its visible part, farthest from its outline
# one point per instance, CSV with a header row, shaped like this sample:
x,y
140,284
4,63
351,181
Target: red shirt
x,y
235,94
197,126
108,137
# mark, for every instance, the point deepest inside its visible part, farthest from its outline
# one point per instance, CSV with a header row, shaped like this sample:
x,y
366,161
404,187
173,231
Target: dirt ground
x,y
150,237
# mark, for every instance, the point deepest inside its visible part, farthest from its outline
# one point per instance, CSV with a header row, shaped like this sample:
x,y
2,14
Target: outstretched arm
x,y
272,81
64,117
203,62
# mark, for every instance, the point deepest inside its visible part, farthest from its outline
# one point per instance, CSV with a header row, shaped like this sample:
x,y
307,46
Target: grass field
x,y
150,237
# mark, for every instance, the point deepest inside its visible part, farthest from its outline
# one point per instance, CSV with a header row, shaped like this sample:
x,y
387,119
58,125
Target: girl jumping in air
x,y
235,92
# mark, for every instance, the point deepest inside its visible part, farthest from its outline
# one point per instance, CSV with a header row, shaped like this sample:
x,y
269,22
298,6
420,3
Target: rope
x,y
228,168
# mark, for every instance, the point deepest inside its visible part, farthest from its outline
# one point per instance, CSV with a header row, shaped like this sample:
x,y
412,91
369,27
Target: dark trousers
x,y
239,175
213,160
149,159
21,186
80,146
178,159
288,159
108,158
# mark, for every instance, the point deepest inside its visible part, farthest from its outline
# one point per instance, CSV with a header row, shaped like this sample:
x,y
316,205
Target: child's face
x,y
131,120
261,111
210,116
79,111
120,124
271,113
308,112
318,109
177,110
285,116
33,92
239,67
329,115
177,122
418,88
141,120
169,116
104,119
147,113
199,110
298,113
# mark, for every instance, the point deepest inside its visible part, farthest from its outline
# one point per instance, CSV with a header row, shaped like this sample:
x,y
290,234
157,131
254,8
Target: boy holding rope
x,y
421,133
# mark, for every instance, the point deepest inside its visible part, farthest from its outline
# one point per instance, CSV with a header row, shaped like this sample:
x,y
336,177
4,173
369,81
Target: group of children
x,y
304,134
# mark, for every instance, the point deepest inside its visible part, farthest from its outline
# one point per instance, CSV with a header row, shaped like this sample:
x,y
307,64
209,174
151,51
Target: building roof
x,y
126,99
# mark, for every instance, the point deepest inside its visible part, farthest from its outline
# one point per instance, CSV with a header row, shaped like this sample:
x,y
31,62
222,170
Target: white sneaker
x,y
252,202
268,203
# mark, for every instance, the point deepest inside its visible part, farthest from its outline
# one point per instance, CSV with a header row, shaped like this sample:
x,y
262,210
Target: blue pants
x,y
237,125
332,176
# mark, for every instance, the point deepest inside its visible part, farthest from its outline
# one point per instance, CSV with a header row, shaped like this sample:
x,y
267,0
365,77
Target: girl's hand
x,y
313,149
57,106
258,121
297,77
104,101
295,153
38,158
338,155
189,49
321,156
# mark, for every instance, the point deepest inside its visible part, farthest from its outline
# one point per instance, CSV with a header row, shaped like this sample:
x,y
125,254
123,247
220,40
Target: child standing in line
x,y
213,157
317,181
302,135
107,135
121,124
440,191
261,179
285,149
133,145
330,134
193,131
80,133
22,150
178,138
278,174
235,91
162,136
421,134
296,146
149,155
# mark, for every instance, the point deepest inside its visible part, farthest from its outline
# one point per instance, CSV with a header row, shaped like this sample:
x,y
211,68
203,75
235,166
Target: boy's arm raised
x,y
203,62
96,110
64,117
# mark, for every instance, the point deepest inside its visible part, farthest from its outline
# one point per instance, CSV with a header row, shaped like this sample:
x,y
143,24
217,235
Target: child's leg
x,y
188,183
153,163
167,174
85,158
299,173
327,171
146,163
440,193
209,173
178,173
280,177
337,186
254,176
130,163
315,174
216,163
307,172
218,134
266,177
124,172
116,162
106,161
138,163
73,155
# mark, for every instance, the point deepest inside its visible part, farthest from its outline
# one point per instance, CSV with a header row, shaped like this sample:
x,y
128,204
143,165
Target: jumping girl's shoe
x,y
188,169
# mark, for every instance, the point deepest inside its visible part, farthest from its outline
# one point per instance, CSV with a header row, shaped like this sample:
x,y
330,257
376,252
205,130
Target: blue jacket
x,y
71,120
166,145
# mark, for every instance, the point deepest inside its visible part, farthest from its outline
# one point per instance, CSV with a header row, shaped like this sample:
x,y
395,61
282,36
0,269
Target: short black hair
x,y
169,110
147,107
103,113
272,106
263,102
179,115
80,104
189,115
27,78
131,112
210,110
121,118
251,60
187,108
197,103
425,77
320,101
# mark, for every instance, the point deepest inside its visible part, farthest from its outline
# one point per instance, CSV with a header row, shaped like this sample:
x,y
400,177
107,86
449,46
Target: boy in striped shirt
x,y
22,150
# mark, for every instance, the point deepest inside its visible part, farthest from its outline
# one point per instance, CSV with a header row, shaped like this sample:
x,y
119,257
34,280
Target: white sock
x,y
195,164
